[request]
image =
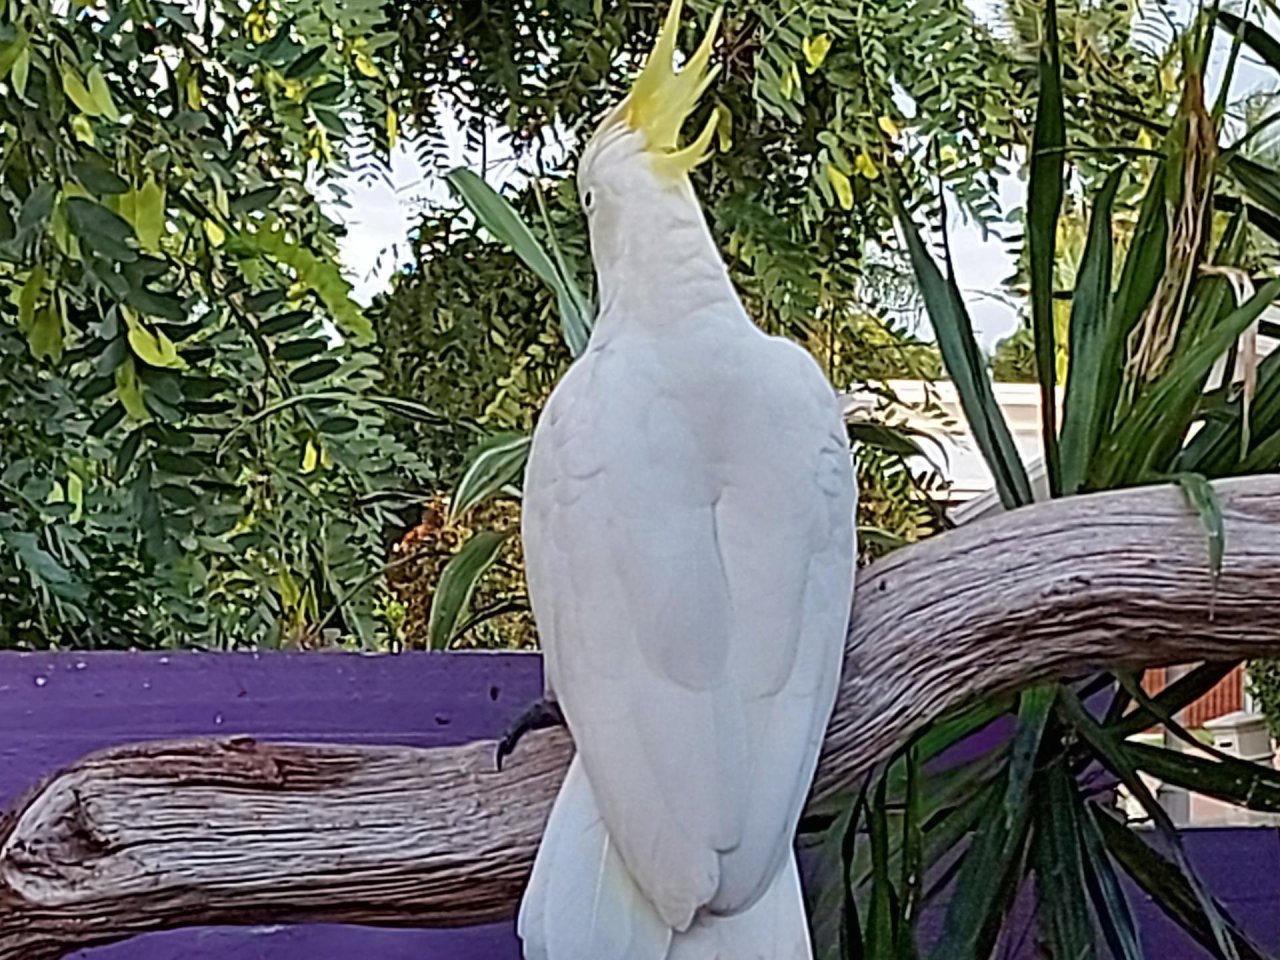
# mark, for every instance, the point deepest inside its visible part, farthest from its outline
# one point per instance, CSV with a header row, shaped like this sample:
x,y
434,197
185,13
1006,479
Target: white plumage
x,y
689,539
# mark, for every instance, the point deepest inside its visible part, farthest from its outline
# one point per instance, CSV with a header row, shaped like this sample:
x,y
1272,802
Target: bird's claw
x,y
540,716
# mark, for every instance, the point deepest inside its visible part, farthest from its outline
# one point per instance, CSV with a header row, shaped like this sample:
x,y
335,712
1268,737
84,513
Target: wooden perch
x,y
162,835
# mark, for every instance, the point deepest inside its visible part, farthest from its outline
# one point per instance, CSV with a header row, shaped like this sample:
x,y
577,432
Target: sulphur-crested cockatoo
x,y
689,539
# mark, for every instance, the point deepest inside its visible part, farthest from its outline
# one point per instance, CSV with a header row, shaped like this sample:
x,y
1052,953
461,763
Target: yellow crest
x,y
661,99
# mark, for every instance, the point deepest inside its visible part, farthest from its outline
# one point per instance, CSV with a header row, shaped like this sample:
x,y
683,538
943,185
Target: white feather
x,y
774,928
582,903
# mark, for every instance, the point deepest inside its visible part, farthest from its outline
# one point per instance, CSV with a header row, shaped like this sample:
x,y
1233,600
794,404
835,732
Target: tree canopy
x,y
206,442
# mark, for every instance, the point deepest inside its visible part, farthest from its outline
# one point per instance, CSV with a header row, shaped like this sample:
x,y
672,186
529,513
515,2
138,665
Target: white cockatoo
x,y
689,540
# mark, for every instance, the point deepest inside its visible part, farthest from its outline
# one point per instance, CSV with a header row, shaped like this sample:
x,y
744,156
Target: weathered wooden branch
x,y
160,835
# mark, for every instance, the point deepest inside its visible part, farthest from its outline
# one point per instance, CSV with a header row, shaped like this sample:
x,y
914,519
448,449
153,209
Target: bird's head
x,y
634,158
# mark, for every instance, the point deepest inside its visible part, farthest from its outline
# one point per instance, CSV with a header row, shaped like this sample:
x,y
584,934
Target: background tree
x,y
192,441
813,92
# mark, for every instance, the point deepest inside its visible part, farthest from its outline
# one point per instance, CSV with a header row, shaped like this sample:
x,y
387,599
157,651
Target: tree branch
x,y
157,836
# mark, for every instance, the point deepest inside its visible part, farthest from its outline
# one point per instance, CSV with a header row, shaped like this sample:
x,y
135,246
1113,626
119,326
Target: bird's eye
x,y
589,199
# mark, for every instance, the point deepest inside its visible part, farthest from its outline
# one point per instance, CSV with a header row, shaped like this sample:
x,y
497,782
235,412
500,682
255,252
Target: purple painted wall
x,y
56,708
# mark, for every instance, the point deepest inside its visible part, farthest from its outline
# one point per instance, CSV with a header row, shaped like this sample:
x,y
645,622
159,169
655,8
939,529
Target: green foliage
x,y
489,326
812,91
194,443
818,92
1264,686
1140,406
1014,359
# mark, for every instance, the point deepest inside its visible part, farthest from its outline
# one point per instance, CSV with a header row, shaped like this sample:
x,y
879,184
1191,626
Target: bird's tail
x,y
582,904
773,928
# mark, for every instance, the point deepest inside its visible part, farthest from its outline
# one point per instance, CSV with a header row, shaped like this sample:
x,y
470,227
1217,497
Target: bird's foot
x,y
542,715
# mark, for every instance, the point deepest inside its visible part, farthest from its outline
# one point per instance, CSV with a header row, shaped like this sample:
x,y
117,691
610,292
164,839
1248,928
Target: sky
x,y
380,215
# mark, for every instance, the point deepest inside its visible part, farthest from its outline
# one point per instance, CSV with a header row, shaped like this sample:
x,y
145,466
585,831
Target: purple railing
x,y
54,709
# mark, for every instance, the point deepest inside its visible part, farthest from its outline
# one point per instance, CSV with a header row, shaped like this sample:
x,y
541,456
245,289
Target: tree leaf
x,y
1181,693
1238,782
1062,906
1034,708
98,178
73,86
493,465
966,365
284,323
496,215
1169,888
101,230
576,314
987,880
38,206
1084,418
129,390
457,583
101,94
46,333
11,51
1204,498
1044,203
1110,904
315,370
126,454
880,927
301,349
841,185
29,296
152,347
258,199
21,71
1143,265
149,215
1256,38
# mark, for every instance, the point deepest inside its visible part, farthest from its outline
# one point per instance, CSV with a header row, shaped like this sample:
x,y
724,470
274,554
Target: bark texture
x,y
162,835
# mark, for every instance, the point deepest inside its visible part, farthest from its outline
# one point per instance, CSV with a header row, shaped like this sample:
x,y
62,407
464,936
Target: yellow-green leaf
x,y
724,129
866,166
889,127
28,296
129,390
195,97
319,275
365,66
10,52
45,336
217,236
840,183
149,218
82,129
815,50
101,94
78,93
310,458
21,69
153,348
290,595
393,127
75,495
